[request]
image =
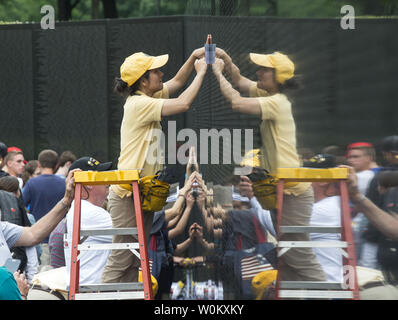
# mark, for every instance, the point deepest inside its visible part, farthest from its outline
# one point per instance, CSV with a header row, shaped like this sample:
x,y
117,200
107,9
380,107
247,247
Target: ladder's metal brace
x,y
101,178
317,175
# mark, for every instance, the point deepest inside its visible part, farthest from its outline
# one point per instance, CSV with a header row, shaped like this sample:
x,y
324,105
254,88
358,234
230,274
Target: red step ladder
x,y
109,291
318,289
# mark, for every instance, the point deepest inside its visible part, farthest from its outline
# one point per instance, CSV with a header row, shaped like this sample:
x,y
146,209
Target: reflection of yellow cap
x,y
284,67
153,280
138,63
261,281
251,159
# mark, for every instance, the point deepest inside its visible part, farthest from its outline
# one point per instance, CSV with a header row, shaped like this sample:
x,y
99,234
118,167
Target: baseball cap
x,y
251,158
359,145
284,67
356,145
390,144
90,164
262,280
321,161
14,149
138,63
3,150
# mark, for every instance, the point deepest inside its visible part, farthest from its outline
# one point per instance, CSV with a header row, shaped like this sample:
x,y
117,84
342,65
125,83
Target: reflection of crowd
x,y
227,230
226,224
223,221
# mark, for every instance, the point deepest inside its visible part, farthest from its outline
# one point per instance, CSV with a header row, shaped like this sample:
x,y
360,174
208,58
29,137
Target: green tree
x,y
22,10
29,10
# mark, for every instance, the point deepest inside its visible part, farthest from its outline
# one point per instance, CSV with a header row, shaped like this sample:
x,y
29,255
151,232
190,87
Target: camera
x,y
195,192
195,184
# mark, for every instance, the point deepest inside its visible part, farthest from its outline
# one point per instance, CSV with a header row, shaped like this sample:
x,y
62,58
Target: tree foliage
x,y
29,10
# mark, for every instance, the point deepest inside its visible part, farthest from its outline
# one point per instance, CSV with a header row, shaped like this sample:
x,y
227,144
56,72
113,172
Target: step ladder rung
x,y
108,246
311,285
108,232
111,286
311,174
312,244
106,177
310,229
121,295
315,294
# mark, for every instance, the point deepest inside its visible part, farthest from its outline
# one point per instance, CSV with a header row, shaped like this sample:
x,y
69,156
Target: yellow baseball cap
x,y
261,281
138,63
155,285
284,67
251,158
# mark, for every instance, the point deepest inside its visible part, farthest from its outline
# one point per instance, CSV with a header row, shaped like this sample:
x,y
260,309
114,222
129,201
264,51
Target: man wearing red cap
x,y
361,156
14,163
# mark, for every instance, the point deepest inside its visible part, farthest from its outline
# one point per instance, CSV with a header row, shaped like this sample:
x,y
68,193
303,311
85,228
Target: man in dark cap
x,y
93,216
389,149
377,243
326,211
372,237
385,221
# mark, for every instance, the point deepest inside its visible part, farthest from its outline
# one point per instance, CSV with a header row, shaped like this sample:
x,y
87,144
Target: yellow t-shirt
x,y
278,135
139,143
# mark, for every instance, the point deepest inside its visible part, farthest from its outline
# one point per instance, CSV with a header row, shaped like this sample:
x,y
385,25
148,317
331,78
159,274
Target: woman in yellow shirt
x,y
147,101
278,133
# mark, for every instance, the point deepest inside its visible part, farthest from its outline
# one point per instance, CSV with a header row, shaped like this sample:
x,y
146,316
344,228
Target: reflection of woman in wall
x,y
268,101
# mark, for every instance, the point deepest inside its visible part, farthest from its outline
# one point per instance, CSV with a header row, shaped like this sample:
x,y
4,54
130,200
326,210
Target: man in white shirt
x,y
326,211
93,216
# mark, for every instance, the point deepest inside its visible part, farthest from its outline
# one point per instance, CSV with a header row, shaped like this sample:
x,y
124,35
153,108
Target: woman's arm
x,y
185,99
172,222
238,103
192,165
384,222
185,72
238,81
173,214
182,247
184,218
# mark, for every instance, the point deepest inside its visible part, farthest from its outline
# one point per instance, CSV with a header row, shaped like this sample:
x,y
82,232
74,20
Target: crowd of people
x,y
228,228
197,214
